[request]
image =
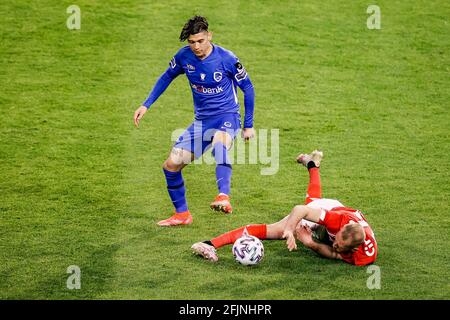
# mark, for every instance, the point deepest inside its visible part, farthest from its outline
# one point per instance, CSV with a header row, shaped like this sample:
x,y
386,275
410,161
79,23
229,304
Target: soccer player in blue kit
x,y
213,74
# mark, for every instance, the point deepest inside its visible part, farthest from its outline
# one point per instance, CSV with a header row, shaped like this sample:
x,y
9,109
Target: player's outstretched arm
x,y
298,213
241,78
160,86
138,114
249,104
249,101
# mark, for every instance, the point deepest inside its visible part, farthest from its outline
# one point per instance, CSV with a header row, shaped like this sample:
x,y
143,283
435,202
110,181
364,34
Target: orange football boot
x,y
222,203
178,218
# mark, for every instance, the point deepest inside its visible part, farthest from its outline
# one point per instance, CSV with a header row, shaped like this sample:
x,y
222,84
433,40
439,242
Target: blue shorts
x,y
198,137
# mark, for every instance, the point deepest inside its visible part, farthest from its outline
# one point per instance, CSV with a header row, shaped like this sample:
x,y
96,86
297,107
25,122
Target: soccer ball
x,y
248,250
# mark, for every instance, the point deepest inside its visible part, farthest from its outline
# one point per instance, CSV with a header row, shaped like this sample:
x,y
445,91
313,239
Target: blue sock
x,y
223,169
177,191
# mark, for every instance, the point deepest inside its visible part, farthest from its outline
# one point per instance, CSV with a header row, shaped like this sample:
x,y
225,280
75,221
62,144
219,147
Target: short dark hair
x,y
194,25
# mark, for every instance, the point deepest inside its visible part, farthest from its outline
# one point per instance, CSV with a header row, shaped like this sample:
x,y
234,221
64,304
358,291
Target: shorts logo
x,y
227,124
218,76
202,76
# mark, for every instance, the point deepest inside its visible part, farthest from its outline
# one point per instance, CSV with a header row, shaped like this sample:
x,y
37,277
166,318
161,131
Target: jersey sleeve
x,y
237,72
331,220
360,257
175,66
173,71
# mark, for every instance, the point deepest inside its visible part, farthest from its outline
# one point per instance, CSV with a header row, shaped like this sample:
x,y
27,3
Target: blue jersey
x,y
213,82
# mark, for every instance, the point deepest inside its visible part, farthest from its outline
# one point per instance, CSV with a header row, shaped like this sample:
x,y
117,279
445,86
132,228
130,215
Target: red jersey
x,y
336,218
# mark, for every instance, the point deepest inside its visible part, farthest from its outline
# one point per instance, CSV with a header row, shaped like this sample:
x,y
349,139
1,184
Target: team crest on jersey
x,y
202,76
218,76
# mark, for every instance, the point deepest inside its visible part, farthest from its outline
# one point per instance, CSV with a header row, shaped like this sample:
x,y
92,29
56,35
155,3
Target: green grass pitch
x,y
81,186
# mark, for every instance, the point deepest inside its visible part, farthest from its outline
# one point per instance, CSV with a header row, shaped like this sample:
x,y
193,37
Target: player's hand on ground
x,y
248,133
138,114
304,235
290,240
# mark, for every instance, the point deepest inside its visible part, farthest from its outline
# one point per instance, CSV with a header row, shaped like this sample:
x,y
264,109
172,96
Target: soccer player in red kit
x,y
323,225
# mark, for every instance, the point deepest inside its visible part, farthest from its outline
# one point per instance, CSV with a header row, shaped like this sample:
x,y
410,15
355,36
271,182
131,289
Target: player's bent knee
x,y
169,165
224,138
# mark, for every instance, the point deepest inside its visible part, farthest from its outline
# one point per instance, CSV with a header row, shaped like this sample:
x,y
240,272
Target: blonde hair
x,y
355,233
